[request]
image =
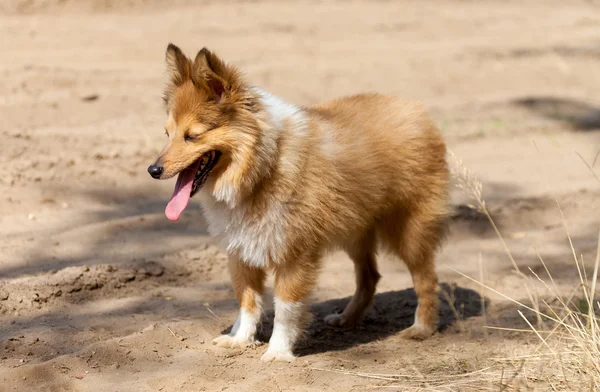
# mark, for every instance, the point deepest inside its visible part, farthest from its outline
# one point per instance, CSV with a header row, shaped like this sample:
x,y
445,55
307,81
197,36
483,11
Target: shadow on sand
x,y
393,312
580,115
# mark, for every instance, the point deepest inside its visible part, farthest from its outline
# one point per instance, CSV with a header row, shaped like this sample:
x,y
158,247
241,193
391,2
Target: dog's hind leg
x,y
362,253
425,283
248,284
415,236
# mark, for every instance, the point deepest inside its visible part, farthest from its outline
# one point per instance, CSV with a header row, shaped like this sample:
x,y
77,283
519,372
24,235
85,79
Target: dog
x,y
280,185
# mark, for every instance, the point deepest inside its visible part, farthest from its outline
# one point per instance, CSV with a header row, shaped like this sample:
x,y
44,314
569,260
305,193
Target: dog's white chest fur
x,y
255,239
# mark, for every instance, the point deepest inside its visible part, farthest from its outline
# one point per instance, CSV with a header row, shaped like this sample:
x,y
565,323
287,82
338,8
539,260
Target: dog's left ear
x,y
212,74
178,65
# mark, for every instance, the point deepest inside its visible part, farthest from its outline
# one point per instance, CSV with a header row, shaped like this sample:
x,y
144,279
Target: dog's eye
x,y
187,138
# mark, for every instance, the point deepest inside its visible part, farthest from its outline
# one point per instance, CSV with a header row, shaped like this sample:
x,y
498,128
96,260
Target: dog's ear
x,y
179,66
212,74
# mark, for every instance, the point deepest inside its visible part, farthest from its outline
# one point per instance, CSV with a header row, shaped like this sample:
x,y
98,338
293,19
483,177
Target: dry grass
x,y
417,381
570,349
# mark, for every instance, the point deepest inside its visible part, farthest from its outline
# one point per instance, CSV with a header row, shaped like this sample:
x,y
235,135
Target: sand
x,y
100,292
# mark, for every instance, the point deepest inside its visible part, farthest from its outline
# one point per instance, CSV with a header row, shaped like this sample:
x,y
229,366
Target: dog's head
x,y
211,127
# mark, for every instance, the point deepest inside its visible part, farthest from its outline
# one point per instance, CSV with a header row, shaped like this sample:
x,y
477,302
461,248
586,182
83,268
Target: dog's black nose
x,y
155,170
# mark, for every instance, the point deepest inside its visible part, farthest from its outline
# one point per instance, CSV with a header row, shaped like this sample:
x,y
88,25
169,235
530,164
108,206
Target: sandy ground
x,y
100,292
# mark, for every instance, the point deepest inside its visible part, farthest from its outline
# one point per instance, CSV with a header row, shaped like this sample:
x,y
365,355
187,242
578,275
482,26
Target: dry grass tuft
x,y
569,351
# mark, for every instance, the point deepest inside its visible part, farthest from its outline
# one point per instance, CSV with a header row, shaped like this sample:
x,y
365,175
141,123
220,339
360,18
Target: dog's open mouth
x,y
206,164
189,181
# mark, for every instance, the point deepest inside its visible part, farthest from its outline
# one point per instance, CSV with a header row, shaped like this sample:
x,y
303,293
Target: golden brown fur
x,y
354,173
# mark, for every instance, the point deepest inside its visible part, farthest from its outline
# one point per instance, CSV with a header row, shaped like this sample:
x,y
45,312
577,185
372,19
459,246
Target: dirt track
x,y
100,292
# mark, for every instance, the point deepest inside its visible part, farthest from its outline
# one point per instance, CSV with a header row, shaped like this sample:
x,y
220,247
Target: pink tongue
x,y
181,194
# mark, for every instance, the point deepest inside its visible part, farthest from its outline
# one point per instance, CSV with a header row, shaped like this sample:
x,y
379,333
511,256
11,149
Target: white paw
x,y
335,319
277,356
229,341
417,332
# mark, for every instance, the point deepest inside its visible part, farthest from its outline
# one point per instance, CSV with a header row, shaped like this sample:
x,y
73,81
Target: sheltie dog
x,y
281,184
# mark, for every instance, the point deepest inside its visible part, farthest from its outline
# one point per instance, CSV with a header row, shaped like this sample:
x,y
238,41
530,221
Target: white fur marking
x,y
287,328
248,321
227,194
280,110
244,329
256,241
236,325
417,322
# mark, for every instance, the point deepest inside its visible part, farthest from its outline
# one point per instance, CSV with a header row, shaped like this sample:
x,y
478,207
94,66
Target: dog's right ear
x,y
179,66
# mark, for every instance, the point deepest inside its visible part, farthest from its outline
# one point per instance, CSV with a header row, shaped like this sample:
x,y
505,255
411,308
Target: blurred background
x,y
87,256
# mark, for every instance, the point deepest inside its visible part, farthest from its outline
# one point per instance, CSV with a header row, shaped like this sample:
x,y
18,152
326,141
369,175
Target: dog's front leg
x,y
294,282
248,284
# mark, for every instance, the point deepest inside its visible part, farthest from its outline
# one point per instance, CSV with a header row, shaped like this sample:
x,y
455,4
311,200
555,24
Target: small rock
x,y
149,328
90,97
4,295
152,268
31,216
64,204
94,285
127,277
